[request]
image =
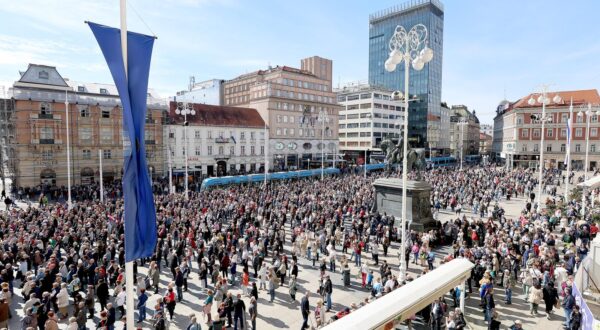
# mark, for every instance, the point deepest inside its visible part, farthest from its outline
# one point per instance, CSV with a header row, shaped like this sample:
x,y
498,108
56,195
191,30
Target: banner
x,y
140,215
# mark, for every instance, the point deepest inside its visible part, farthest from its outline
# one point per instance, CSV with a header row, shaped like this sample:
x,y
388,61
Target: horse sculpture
x,y
394,152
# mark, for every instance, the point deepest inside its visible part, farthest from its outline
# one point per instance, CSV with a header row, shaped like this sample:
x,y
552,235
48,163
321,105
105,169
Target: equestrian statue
x,y
394,153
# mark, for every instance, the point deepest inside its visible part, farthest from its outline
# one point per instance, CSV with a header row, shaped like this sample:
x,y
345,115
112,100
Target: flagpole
x,y
569,151
101,176
266,156
69,201
128,265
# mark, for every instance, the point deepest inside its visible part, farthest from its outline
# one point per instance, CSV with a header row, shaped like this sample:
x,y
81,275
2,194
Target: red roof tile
x,y
579,97
215,115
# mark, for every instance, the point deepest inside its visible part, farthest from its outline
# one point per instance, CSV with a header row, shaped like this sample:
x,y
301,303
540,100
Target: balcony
x,y
45,116
221,140
46,141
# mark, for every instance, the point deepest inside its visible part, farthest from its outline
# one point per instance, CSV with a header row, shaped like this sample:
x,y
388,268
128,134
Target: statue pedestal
x,y
388,195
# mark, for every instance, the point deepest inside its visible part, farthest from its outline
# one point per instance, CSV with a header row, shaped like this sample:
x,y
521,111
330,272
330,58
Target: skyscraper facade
x,y
426,125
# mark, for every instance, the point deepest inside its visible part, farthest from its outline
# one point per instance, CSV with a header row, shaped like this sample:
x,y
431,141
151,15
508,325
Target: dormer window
x,y
81,89
45,108
43,75
103,91
105,113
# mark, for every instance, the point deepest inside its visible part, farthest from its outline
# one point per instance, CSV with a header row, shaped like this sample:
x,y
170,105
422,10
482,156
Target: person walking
x,y
550,296
535,298
194,325
253,311
179,283
239,310
141,305
293,287
328,292
305,310
568,303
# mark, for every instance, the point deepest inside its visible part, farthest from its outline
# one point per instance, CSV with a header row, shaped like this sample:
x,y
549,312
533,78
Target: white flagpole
x,y
101,175
569,137
69,201
266,155
128,265
170,171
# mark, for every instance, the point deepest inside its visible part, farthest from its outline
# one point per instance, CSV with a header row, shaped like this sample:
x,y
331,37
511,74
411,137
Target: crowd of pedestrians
x,y
245,242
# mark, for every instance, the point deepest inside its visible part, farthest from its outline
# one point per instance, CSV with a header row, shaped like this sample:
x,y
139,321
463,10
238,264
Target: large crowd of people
x,y
68,265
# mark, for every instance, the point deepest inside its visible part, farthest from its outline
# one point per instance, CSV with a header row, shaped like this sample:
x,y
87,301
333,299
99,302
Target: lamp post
x,y
323,119
542,99
588,114
185,109
266,155
410,47
462,124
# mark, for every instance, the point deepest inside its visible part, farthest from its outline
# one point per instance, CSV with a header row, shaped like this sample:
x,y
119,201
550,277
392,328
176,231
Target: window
x,y
47,155
106,134
301,131
243,150
45,108
107,154
291,131
262,150
221,150
563,147
86,154
549,133
242,136
579,119
210,150
524,147
563,132
149,136
209,134
198,150
105,113
536,147
292,119
81,89
197,134
46,133
43,75
564,118
278,131
579,132
252,150
594,131
525,132
84,112
536,133
285,119
578,148
253,135
85,133
171,135
103,91
549,148
594,119
593,148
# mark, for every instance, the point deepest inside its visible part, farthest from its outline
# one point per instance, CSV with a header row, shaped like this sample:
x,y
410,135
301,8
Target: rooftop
x,y
403,8
214,115
579,97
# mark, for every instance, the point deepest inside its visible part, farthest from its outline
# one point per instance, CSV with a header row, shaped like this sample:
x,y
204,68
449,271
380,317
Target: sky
x,y
492,49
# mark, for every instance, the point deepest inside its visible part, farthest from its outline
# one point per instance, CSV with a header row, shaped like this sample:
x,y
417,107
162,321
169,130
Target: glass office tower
x,y
425,120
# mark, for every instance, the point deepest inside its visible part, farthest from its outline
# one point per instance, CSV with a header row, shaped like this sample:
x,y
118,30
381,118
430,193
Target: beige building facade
x,y
298,107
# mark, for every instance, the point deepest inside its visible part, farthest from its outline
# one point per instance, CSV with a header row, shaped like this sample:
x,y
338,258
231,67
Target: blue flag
x,y
140,215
